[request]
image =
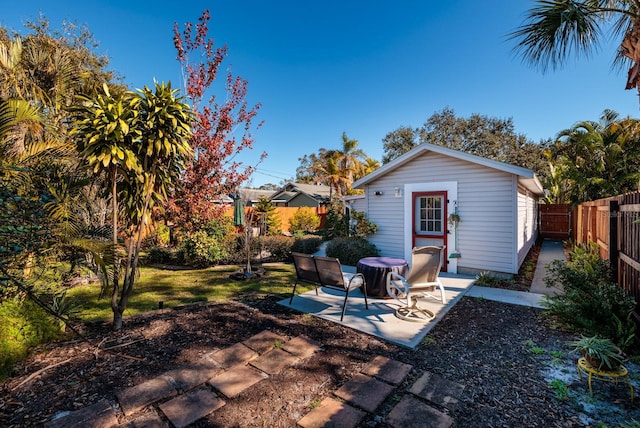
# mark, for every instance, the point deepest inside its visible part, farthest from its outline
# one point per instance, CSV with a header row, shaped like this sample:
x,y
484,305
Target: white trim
x,y
451,187
516,222
526,176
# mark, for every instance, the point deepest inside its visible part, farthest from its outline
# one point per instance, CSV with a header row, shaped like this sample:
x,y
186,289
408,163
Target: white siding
x,y
527,223
358,204
486,204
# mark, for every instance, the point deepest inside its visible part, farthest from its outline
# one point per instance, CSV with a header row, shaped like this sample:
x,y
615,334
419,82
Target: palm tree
x,y
554,30
349,160
597,159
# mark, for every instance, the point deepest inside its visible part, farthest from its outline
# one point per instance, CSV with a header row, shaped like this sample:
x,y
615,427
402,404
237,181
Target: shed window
x,y
429,215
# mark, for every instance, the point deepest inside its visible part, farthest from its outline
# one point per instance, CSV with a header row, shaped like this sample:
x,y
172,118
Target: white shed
x,y
411,200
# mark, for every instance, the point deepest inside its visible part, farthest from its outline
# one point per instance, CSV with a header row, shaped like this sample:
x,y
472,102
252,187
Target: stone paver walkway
x,y
187,394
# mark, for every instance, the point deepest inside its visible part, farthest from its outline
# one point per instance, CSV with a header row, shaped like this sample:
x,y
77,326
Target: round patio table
x,y
375,270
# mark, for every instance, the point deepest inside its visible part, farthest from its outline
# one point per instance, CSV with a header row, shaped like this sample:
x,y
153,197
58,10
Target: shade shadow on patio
x,y
379,320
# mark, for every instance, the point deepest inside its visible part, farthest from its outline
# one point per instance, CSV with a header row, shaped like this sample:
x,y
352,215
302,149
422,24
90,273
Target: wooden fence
x,y
285,214
614,224
555,221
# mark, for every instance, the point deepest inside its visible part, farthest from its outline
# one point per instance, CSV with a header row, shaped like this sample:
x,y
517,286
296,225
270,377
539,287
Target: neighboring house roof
x,y
526,177
291,190
253,195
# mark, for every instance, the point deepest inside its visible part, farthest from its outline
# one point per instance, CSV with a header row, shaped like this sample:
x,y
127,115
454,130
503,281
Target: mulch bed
x,y
480,344
483,345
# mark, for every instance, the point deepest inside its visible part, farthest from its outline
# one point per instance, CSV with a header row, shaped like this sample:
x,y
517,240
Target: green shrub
x,y
278,246
361,227
336,223
23,325
306,244
591,303
200,250
214,244
159,255
220,228
304,220
350,250
339,225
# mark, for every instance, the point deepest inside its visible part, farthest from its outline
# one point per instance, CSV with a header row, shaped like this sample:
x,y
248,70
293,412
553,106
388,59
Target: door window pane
x,y
429,215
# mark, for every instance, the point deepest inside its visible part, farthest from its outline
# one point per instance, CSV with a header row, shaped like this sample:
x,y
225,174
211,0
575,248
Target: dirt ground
x,y
484,345
506,356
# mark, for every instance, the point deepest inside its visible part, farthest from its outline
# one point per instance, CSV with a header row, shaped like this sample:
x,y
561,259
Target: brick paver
x,y
437,389
264,341
388,370
332,414
274,361
188,408
234,369
234,355
364,392
301,346
235,380
413,413
140,396
99,414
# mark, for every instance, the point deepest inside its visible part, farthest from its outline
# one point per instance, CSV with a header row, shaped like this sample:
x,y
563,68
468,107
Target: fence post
x,y
614,252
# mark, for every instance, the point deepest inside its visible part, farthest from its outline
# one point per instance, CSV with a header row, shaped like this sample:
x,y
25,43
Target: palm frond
x,y
553,30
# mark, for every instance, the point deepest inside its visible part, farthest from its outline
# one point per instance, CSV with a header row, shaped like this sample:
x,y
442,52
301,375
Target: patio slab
x,y
332,414
274,361
190,407
364,392
413,413
438,390
232,382
379,320
388,370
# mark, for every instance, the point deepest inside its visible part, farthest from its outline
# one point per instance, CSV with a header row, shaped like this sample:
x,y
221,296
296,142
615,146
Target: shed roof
x,y
526,177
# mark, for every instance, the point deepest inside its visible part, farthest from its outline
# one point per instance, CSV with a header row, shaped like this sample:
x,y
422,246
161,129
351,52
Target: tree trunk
x,y
117,320
117,314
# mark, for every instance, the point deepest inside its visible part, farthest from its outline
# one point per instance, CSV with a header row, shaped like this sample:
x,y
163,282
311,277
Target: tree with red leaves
x,y
220,132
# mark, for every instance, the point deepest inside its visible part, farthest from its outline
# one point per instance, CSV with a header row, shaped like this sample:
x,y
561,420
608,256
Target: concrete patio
x,y
380,320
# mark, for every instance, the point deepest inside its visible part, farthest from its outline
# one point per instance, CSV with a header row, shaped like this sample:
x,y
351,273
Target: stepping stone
x,y
438,390
332,414
140,396
188,408
274,361
190,377
388,370
236,380
301,346
264,341
206,360
150,420
234,355
99,414
364,392
413,413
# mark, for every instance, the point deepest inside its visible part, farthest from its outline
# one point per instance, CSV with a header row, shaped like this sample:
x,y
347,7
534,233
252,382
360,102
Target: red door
x,y
430,220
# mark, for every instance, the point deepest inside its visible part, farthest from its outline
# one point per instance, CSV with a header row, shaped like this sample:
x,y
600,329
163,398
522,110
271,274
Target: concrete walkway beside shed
x,y
549,251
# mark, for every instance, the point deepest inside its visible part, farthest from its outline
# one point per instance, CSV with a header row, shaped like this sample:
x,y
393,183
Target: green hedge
x,y
350,250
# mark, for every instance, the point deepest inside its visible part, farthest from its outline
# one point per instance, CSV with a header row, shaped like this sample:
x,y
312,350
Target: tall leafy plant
x,y
139,143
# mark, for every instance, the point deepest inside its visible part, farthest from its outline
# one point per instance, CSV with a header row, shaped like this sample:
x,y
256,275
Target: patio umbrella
x,y
238,210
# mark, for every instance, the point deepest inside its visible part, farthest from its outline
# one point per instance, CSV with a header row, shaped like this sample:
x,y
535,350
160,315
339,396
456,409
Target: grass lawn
x,y
180,287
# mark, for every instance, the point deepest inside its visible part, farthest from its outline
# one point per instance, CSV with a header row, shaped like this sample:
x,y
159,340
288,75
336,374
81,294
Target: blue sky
x,y
361,67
